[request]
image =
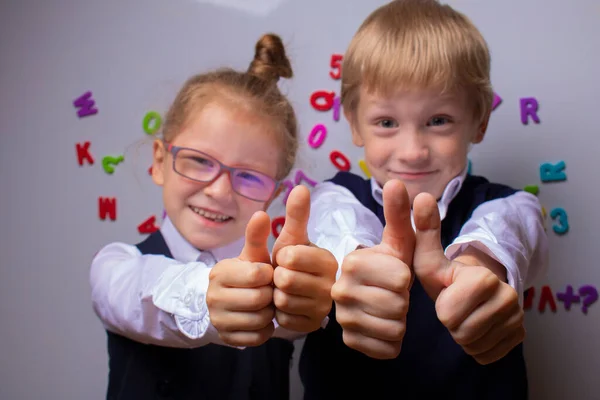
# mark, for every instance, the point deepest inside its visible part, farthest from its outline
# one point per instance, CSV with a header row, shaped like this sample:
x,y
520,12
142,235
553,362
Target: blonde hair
x,y
416,44
255,89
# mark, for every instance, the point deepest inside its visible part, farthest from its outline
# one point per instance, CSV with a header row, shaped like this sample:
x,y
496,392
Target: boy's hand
x,y
240,294
481,311
303,273
372,293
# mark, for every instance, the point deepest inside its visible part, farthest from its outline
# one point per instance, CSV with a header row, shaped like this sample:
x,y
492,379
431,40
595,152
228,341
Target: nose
x,y
412,147
220,188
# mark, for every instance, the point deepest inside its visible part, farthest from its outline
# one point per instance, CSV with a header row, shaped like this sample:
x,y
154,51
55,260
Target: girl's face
x,y
211,214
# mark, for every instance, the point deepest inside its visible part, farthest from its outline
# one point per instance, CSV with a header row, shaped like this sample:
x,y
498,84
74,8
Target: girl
x,y
229,138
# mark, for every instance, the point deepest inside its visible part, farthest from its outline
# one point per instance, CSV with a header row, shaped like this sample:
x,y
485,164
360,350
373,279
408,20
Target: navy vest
x,y
430,364
144,372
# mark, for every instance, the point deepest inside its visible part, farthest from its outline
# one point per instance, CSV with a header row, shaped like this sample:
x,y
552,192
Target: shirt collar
x,y
183,251
450,192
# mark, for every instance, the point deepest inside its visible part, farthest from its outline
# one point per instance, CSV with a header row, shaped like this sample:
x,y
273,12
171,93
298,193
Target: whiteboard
x,y
133,56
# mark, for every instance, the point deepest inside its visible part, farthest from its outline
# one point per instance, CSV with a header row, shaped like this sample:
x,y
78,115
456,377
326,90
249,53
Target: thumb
x,y
431,266
398,237
297,212
257,234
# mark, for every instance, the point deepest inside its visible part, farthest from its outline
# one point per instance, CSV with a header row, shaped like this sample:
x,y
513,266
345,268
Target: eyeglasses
x,y
197,166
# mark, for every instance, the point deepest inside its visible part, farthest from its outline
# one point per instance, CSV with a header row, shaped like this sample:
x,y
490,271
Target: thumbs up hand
x,y
303,273
472,300
240,294
371,296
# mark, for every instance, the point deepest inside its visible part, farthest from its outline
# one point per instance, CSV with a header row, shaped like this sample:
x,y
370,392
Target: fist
x,y
303,273
372,294
480,310
240,292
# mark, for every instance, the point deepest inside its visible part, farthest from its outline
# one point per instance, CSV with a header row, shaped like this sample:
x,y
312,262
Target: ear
x,y
482,129
276,194
357,139
159,154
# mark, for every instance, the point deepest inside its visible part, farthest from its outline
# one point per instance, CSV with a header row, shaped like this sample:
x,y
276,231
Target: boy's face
x,y
417,136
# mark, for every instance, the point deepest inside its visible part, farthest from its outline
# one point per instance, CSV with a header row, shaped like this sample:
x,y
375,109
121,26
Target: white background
x,y
134,55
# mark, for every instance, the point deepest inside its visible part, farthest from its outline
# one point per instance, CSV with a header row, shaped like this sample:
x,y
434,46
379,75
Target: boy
x,y
416,92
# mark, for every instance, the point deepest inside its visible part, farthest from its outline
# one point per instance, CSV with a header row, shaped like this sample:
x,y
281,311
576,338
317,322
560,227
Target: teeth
x,y
210,215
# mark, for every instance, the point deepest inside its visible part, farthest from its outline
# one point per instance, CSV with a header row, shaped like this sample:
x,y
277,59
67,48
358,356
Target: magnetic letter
x,y
553,172
148,226
83,153
151,123
301,176
546,297
529,295
568,297
497,101
529,107
589,294
320,105
562,225
109,161
107,205
363,166
276,226
336,108
85,103
340,161
336,66
317,136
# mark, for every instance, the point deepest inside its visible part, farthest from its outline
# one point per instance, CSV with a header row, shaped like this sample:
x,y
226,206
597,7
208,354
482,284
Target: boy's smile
x,y
419,136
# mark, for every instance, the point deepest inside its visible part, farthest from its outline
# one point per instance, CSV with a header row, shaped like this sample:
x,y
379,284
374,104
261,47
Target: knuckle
x,y
397,330
283,278
346,319
287,256
402,282
259,297
341,293
281,300
487,280
351,263
444,314
464,337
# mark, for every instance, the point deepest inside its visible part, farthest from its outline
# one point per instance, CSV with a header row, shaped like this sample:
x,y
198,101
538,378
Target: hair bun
x,y
270,61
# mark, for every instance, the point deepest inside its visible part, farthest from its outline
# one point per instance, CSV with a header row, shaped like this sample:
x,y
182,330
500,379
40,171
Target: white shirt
x,y
158,300
510,230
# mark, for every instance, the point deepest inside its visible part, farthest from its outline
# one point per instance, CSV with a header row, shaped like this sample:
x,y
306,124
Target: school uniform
x,y
506,224
161,345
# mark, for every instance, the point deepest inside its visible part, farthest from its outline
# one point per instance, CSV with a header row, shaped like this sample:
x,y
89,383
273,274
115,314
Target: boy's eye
x,y
438,121
387,123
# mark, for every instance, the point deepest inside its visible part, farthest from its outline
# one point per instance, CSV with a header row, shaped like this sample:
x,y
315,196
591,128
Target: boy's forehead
x,y
375,96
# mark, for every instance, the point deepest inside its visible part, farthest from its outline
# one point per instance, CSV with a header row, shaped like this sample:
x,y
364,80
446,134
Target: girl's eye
x,y
438,121
203,161
387,123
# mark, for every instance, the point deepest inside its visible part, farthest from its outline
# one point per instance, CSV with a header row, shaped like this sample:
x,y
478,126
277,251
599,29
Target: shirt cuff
x,y
183,294
495,251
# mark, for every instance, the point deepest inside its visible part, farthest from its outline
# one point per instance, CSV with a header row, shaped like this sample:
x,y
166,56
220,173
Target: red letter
x,y
529,295
340,161
276,226
546,297
322,94
148,226
108,206
336,64
83,152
